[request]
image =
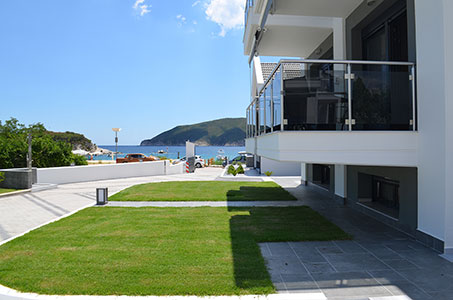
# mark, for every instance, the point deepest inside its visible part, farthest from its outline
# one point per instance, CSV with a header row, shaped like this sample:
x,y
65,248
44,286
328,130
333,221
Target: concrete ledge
x,y
10,294
15,193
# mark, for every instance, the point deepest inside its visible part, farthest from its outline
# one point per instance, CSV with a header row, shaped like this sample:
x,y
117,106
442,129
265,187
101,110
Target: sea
x,y
172,152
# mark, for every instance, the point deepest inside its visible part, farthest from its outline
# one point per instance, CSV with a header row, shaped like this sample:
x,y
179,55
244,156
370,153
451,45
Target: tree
x,y
46,152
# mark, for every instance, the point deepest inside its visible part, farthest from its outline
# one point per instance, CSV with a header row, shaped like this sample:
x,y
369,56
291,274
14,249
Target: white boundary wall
x,y
74,174
280,168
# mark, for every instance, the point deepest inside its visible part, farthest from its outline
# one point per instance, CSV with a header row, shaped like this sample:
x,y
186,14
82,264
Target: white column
x,y
303,173
339,38
257,77
448,32
432,69
340,181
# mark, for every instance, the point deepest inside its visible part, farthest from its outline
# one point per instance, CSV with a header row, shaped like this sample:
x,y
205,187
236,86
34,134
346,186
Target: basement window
x,y
380,194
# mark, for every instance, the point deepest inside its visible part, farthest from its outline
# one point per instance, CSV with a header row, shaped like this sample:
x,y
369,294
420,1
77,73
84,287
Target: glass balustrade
x,y
381,98
316,96
277,100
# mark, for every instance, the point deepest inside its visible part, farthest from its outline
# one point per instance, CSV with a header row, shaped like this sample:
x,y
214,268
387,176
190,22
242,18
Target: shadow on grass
x,y
255,193
250,226
250,270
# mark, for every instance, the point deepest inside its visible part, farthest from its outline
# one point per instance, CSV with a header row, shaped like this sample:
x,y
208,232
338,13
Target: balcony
x,y
360,112
248,5
307,95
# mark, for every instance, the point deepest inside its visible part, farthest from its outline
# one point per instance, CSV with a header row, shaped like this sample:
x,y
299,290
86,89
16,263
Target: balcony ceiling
x,y
317,8
292,41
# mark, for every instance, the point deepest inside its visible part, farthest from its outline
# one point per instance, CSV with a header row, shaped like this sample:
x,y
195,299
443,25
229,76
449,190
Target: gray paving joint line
x,y
305,267
327,260
396,271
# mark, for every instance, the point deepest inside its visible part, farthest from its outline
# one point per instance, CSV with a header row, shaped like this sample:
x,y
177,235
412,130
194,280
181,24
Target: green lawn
x,y
156,251
3,191
204,191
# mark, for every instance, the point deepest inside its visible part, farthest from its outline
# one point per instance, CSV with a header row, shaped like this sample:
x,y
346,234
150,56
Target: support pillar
x,y
340,193
303,173
448,22
339,39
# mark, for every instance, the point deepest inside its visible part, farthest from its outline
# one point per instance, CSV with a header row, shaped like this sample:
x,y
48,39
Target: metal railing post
x,y
349,97
282,106
414,101
272,105
247,121
263,110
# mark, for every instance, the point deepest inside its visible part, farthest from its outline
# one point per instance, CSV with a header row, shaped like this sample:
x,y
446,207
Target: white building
x,y
364,107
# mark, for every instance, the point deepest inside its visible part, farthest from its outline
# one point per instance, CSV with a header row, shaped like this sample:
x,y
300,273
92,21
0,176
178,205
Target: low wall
x,y
280,168
74,174
20,179
175,169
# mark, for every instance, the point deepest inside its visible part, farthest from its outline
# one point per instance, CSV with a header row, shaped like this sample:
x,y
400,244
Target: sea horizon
x,y
172,152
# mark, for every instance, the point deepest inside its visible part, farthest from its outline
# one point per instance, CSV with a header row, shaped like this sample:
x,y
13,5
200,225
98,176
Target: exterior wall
x,y
279,168
250,145
408,193
64,175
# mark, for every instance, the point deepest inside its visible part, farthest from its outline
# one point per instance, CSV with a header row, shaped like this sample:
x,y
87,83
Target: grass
x,y
156,251
204,191
3,191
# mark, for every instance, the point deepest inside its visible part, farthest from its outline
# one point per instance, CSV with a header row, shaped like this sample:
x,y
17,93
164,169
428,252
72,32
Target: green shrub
x,y
46,152
232,170
268,173
240,169
79,160
2,176
218,162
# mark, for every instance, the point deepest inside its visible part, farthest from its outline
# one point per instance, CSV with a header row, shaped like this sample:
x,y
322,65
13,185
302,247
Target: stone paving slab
x,y
381,263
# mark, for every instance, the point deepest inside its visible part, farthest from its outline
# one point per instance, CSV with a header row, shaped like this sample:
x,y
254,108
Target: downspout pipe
x,y
260,31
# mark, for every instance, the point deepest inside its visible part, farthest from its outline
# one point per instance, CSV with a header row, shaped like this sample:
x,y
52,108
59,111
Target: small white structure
x,y
190,149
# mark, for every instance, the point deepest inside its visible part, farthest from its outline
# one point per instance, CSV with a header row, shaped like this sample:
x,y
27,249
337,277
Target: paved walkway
x,y
23,212
204,203
379,262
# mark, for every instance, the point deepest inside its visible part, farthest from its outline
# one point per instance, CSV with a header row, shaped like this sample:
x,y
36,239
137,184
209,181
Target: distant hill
x,y
77,140
222,132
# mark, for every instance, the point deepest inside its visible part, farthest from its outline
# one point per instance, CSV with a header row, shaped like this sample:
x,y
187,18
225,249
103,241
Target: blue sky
x,y
145,66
